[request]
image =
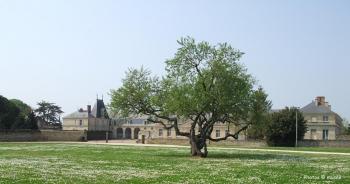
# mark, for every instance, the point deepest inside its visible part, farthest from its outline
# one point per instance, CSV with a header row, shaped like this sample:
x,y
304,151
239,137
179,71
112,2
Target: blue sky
x,y
68,51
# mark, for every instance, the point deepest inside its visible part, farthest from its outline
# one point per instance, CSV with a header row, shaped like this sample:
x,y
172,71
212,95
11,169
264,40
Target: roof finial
x,y
96,96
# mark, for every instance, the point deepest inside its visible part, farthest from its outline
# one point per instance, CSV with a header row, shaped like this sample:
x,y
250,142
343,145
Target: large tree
x,y
204,84
49,112
282,129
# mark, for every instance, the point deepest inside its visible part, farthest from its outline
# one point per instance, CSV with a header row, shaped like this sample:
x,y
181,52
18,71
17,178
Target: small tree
x,y
346,127
259,114
49,113
281,131
204,84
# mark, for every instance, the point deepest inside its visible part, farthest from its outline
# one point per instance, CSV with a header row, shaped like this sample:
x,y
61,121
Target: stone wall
x,y
43,135
185,141
329,143
343,137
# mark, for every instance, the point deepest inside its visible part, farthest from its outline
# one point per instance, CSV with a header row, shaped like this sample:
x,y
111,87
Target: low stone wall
x,y
210,143
43,135
320,143
60,135
343,137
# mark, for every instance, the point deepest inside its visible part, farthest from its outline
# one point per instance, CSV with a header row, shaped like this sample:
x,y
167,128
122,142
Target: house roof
x,y
78,114
314,109
99,110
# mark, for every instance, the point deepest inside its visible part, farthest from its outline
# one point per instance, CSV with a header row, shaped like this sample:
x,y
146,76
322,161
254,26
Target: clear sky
x,y
67,51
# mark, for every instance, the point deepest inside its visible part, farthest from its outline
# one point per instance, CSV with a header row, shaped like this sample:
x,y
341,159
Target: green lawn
x,y
316,149
87,163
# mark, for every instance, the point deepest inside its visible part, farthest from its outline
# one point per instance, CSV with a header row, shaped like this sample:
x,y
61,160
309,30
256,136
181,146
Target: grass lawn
x,y
88,163
316,149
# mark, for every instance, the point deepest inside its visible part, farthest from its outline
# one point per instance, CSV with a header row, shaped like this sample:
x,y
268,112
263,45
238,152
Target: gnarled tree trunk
x,y
198,145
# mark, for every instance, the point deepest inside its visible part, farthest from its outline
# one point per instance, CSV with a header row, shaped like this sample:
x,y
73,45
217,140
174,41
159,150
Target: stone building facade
x,y
95,119
322,122
138,126
133,127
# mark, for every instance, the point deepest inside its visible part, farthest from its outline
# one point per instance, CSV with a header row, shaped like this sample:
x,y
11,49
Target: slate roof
x,y
314,109
77,115
98,111
137,121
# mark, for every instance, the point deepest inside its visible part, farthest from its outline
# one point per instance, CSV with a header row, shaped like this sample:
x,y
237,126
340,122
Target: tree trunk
x,y
197,145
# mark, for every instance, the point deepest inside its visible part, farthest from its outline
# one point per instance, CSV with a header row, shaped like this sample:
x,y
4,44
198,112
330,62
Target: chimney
x,y
89,109
320,101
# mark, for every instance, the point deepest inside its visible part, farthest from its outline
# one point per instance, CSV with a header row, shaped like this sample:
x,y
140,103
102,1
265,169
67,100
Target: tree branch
x,y
235,136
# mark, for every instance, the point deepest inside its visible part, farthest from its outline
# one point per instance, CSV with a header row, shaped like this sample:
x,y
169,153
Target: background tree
x,y
8,113
15,114
259,114
345,128
49,113
204,84
281,130
26,118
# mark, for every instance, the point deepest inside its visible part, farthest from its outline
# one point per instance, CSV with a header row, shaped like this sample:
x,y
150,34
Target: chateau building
x,y
96,119
322,122
133,127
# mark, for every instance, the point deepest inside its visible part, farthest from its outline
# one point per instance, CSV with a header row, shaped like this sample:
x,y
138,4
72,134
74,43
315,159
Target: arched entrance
x,y
136,133
128,133
119,133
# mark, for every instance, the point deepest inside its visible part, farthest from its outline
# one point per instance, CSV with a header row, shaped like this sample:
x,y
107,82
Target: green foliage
x,y
205,84
14,114
281,130
9,113
26,119
24,108
49,112
259,114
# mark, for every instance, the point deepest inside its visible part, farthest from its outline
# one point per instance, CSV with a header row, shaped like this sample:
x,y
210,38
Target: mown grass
x,y
86,163
315,149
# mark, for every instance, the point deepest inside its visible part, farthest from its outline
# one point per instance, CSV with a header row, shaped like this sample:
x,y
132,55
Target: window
x,y
217,133
80,122
226,132
325,135
160,132
314,119
325,118
168,133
